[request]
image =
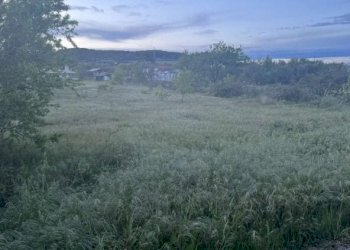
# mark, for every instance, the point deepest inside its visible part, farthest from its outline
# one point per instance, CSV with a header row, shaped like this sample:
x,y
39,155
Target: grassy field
x,y
131,171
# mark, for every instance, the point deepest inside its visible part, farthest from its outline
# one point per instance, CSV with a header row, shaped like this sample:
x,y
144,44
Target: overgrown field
x,y
132,171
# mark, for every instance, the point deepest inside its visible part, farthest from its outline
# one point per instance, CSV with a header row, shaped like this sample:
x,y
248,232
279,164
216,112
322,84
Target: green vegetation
x,y
133,73
184,83
132,172
118,75
298,80
213,65
161,93
27,52
29,42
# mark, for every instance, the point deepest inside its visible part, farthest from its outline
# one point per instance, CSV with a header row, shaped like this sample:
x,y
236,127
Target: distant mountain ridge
x,y
90,55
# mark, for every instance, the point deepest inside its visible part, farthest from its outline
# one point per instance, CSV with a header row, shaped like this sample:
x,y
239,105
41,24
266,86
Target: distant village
x,y
103,70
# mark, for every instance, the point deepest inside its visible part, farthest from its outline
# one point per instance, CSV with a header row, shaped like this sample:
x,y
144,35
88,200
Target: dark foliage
x,y
29,41
29,32
295,80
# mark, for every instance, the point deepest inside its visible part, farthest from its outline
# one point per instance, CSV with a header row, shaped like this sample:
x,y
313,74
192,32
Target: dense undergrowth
x,y
133,172
225,71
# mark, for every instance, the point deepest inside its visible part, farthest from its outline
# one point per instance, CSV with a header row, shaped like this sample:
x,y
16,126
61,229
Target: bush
x,y
184,83
161,93
292,94
329,101
303,80
230,87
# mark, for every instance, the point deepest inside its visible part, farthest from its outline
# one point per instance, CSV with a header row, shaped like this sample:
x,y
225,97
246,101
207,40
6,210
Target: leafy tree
x,y
213,65
118,75
142,72
137,74
30,36
184,83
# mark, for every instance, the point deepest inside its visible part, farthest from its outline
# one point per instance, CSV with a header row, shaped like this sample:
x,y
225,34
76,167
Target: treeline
x,y
226,71
90,55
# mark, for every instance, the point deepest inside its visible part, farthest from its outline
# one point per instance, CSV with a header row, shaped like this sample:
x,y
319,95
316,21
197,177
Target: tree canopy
x,y
213,65
30,36
226,71
184,83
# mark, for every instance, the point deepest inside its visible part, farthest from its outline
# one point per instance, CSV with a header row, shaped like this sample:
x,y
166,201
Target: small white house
x,y
68,73
98,75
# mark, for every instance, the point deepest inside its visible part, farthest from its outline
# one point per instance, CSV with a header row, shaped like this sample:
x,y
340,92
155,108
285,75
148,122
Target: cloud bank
x,y
118,33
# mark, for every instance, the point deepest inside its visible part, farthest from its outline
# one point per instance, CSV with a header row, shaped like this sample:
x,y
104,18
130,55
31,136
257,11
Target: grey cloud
x,y
337,20
206,32
134,32
322,24
135,13
80,8
292,28
84,8
118,34
343,18
94,8
123,7
120,8
305,39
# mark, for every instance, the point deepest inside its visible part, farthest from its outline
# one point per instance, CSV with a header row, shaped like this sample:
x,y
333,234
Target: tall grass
x,y
134,172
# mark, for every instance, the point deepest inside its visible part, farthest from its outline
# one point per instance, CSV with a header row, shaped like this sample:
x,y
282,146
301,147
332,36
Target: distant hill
x,y
93,56
285,54
90,55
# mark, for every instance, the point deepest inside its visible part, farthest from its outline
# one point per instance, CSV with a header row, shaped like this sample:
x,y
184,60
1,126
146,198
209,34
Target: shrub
x,y
184,83
230,87
292,93
161,93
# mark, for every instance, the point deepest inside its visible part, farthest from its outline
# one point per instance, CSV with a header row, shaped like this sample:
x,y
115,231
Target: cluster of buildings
x,y
96,74
161,72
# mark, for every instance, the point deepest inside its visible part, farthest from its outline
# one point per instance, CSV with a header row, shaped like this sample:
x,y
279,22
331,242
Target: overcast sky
x,y
179,25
